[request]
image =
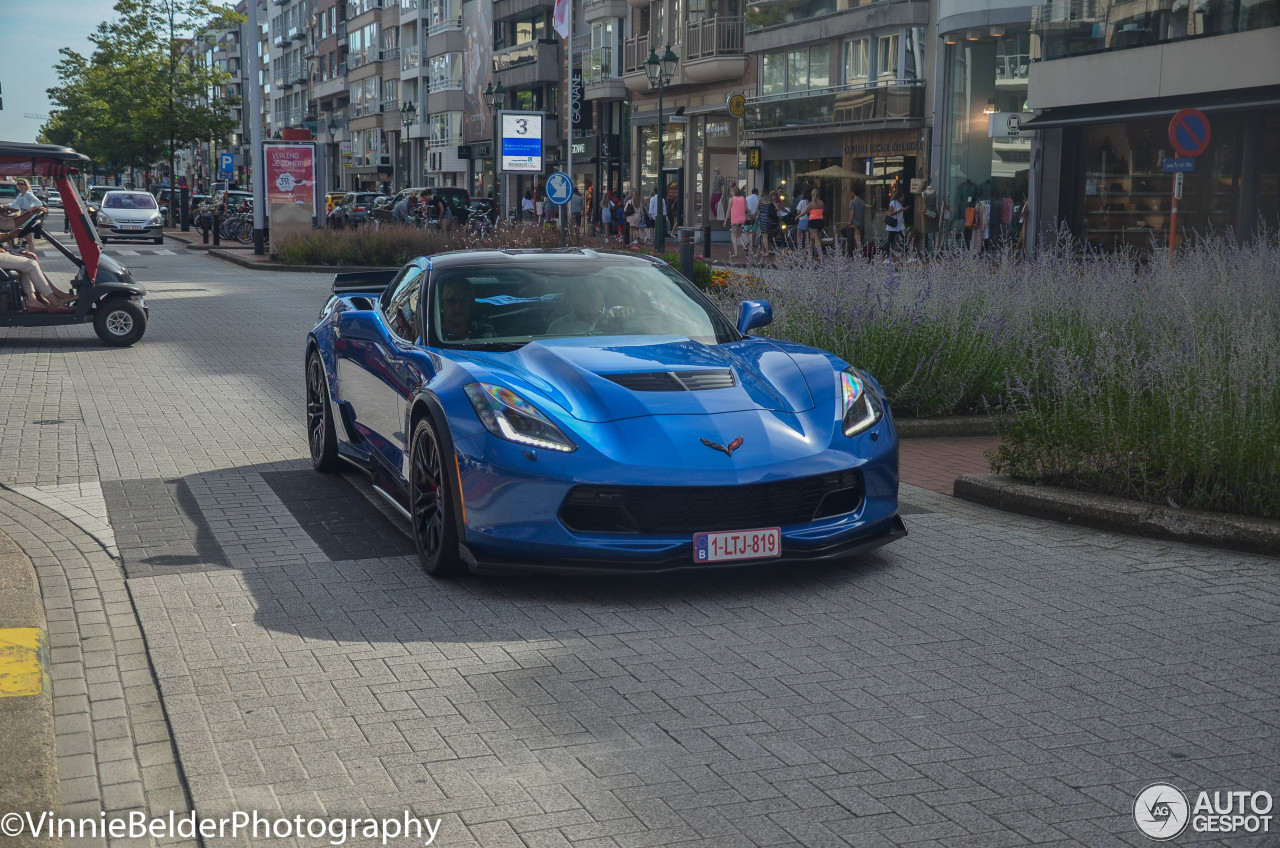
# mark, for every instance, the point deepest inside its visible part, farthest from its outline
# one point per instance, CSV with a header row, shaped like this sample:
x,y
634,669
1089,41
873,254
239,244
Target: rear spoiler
x,y
362,281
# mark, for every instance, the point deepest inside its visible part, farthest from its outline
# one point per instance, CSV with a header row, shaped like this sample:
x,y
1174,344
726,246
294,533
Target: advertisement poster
x,y
291,174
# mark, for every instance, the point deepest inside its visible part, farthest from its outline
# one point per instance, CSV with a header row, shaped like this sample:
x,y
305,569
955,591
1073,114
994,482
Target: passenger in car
x,y
33,280
587,311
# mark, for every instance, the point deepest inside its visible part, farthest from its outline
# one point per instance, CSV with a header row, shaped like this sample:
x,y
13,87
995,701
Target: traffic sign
x,y
559,188
1177,186
1179,165
1189,132
226,164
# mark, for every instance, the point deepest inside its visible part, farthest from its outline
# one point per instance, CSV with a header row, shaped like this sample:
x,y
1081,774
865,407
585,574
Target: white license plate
x,y
131,226
737,544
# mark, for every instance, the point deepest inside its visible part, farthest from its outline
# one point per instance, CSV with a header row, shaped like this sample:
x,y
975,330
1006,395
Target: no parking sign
x,y
1189,132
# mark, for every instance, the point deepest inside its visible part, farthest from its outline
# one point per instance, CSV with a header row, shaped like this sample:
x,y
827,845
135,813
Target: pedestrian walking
x,y
735,219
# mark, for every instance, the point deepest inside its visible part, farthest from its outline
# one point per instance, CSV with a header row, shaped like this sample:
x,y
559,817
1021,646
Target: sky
x,y
31,33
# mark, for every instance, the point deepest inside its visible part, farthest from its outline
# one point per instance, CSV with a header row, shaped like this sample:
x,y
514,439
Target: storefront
x,y
1113,192
983,159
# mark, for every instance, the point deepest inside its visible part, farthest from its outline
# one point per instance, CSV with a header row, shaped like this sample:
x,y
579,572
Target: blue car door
x,y
379,377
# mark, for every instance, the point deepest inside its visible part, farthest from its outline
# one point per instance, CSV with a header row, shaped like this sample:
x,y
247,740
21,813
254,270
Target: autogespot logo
x,y
1161,811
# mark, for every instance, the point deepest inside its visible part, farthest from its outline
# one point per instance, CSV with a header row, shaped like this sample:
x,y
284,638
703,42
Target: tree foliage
x,y
140,92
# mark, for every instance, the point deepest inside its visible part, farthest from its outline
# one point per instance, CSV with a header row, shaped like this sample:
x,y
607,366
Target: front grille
x,y
674,381
660,510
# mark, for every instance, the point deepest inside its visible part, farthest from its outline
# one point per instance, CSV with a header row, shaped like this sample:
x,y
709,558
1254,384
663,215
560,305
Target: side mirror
x,y
753,314
360,325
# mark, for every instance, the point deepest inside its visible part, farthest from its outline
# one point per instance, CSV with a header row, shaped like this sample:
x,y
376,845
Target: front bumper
x,y
512,501
118,232
888,531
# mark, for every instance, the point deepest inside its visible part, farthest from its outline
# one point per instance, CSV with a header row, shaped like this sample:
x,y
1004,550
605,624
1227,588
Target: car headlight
x,y
508,416
104,218
862,409
155,219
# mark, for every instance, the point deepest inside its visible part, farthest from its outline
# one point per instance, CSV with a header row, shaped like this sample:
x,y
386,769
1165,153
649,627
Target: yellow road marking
x,y
24,657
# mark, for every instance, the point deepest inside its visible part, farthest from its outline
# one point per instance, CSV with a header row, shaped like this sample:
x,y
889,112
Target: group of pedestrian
x,y
754,223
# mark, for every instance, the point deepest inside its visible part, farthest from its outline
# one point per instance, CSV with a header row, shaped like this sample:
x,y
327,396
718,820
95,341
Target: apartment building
x,y
699,134
1107,77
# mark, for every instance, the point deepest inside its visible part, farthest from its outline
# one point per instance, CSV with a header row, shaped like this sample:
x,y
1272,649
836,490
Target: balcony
x,y
713,50
762,14
598,78
389,54
528,64
890,103
444,82
1079,27
506,9
410,59
448,25
328,88
599,10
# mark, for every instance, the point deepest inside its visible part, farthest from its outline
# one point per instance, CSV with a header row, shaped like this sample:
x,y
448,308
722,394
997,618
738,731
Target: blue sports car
x,y
573,410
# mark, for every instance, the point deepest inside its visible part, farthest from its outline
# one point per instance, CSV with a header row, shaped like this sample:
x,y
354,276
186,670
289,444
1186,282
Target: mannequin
x,y
717,191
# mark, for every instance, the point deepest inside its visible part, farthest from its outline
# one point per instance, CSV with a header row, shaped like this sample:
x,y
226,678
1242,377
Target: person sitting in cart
x,y
33,279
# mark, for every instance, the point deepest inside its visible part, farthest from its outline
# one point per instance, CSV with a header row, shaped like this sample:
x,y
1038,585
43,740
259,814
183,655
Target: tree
x,y
137,98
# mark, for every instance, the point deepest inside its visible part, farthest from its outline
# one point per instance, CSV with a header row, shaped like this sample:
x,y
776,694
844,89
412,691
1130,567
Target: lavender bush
x,y
395,245
1151,381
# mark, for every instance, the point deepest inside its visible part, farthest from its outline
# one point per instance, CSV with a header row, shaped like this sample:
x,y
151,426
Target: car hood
x,y
632,377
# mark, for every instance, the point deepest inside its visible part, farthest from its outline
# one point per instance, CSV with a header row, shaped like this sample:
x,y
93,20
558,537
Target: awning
x,y
1160,107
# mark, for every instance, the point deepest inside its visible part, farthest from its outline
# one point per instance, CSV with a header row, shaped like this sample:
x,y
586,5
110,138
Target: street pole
x,y
660,224
255,137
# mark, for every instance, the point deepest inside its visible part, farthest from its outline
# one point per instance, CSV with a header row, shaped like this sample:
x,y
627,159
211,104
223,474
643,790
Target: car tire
x,y
119,322
322,435
435,534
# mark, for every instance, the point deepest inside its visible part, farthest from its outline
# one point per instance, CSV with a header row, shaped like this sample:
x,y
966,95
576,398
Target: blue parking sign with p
x,y
226,164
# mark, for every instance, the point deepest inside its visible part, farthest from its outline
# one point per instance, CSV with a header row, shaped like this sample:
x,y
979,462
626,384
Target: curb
x,y
946,427
29,780
1215,529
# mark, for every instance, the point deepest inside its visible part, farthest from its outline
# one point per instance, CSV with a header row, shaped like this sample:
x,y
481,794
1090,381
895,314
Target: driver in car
x,y
457,299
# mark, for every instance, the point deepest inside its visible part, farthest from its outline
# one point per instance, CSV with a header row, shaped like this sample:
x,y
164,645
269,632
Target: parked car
x,y
8,190
570,411
129,215
354,208
53,199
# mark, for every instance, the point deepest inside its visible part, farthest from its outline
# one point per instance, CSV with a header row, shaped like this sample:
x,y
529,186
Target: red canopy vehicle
x,y
105,292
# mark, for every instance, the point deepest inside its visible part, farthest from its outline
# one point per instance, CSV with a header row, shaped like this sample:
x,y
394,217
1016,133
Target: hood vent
x,y
674,381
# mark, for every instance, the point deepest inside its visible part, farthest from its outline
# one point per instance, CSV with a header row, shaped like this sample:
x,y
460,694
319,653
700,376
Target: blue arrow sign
x,y
559,188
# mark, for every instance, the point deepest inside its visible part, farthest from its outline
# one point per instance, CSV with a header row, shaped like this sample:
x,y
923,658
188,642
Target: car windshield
x,y
493,304
130,201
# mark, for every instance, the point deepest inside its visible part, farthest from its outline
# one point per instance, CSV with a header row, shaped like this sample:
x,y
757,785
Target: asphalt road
x,y
232,632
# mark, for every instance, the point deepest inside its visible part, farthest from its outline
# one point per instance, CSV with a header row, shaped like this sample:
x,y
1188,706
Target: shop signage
x,y
753,157
481,150
717,129
1189,132
464,151
1179,164
1008,124
886,143
579,108
585,148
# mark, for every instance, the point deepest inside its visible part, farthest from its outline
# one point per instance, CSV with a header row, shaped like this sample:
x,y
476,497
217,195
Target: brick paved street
x,y
989,681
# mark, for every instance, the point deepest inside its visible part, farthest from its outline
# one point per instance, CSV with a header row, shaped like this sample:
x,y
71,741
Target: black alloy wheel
x,y
322,437
119,322
435,534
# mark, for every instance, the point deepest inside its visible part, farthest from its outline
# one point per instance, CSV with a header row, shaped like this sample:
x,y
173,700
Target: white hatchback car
x,y
129,215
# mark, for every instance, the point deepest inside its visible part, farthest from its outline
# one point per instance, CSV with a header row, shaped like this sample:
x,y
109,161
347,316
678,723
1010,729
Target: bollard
x,y
216,225
706,241
686,252
204,233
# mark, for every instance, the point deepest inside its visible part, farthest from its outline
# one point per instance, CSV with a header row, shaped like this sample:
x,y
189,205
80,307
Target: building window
x,y
887,56
795,70
855,61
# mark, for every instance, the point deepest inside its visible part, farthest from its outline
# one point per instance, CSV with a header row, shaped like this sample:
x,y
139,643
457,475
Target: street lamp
x,y
408,114
497,98
332,129
660,72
